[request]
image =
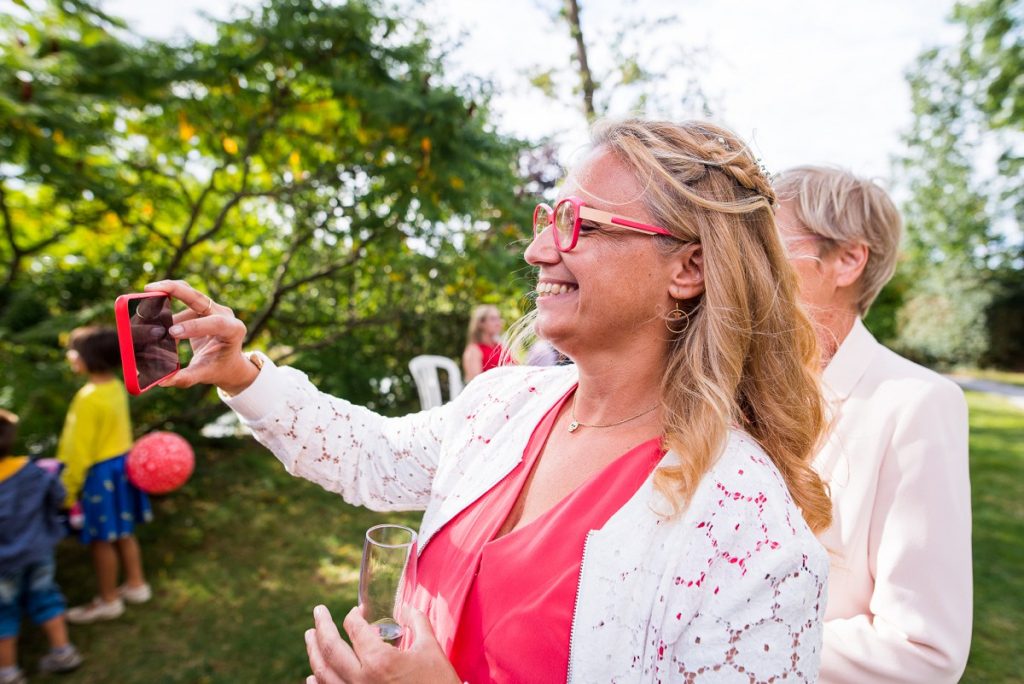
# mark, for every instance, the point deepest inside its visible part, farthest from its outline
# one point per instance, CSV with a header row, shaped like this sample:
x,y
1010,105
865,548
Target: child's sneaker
x,y
139,594
96,611
60,660
12,676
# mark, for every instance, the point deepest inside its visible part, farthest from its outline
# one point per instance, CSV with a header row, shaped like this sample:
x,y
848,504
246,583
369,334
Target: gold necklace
x,y
574,425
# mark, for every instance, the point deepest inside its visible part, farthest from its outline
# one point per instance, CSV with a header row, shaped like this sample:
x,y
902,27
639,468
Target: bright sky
x,y
804,82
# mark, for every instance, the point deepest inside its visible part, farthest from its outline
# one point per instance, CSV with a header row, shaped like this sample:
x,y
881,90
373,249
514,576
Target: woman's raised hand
x,y
216,338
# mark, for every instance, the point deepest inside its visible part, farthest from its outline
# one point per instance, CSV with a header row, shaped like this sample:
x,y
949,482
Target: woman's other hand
x,y
370,658
216,338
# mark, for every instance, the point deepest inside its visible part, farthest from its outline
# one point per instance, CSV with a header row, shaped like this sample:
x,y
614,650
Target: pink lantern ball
x,y
160,462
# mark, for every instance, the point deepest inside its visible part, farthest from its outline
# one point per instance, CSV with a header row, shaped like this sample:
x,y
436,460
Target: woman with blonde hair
x,y
644,514
483,342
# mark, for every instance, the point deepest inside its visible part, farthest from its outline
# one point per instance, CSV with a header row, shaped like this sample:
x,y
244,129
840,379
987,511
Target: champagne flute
x,y
387,577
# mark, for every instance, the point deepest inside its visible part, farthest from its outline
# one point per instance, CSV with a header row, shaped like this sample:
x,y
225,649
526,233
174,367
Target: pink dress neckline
x,y
502,608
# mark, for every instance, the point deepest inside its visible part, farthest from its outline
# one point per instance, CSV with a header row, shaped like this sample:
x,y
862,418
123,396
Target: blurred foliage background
x,y
958,297
305,167
310,166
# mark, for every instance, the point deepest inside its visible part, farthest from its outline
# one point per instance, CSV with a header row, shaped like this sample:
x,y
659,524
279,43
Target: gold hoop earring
x,y
674,317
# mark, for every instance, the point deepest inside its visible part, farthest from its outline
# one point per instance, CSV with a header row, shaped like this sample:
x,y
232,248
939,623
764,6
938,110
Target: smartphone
x,y
148,352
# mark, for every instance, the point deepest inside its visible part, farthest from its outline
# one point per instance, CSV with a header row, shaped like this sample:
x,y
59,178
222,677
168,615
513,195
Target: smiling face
x,y
613,288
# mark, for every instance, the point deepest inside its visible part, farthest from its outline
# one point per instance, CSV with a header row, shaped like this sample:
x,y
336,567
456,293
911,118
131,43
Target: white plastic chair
x,y
425,372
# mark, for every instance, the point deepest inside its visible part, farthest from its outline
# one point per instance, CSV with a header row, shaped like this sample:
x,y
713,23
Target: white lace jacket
x,y
732,590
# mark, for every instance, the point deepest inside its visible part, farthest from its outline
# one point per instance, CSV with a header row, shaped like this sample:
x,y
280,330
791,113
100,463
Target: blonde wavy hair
x,y
748,356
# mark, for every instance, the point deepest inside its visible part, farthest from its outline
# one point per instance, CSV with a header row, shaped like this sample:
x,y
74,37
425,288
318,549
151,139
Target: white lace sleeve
x,y
764,593
385,464
765,628
730,590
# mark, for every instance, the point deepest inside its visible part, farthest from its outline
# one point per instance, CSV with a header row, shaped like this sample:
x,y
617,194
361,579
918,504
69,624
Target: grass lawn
x,y
239,557
997,488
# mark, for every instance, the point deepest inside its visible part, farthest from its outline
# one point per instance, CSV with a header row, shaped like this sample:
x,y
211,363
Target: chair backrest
x,y
425,372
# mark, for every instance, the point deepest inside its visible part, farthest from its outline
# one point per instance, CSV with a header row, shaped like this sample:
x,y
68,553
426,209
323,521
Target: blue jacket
x,y
30,527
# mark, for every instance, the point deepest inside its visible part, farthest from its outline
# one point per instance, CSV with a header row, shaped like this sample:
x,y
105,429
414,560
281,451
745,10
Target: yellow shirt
x,y
97,427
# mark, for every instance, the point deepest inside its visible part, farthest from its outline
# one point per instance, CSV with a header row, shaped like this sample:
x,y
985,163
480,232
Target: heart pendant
x,y
573,425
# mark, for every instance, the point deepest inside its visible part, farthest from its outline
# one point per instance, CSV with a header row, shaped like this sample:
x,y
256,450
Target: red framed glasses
x,y
570,213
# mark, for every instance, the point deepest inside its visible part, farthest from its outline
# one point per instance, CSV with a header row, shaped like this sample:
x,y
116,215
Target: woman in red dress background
x,y
483,342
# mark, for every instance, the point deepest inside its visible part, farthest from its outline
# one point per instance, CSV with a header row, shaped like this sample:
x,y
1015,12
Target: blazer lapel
x,y
846,369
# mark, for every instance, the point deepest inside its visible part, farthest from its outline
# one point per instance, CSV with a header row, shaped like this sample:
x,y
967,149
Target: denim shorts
x,y
32,591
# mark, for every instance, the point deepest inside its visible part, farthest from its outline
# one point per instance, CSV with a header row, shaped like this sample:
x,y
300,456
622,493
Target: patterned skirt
x,y
112,505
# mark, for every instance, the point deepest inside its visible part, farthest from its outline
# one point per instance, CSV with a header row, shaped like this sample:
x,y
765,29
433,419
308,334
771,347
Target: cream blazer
x,y
900,590
731,590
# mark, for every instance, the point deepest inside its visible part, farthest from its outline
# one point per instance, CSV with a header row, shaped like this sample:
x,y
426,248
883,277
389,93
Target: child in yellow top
x,y
97,428
96,438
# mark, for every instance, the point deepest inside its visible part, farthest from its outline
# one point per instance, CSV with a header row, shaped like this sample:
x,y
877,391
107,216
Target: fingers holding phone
x,y
150,309
149,354
156,351
215,336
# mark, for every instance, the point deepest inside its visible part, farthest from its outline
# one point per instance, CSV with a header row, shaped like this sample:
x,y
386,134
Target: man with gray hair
x,y
900,588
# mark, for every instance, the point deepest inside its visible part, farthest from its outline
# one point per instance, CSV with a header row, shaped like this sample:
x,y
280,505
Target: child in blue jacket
x,y
30,527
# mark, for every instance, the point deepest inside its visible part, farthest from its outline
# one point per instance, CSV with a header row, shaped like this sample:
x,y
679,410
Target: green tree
x,y
963,217
306,166
645,70
992,58
65,75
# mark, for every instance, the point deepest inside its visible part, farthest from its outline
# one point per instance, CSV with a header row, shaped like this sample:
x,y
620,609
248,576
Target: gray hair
x,y
843,208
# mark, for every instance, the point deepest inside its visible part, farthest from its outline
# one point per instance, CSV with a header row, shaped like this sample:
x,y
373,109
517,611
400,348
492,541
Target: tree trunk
x,y
572,15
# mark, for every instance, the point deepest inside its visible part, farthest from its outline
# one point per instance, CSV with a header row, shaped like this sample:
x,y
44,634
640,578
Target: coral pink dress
x,y
502,608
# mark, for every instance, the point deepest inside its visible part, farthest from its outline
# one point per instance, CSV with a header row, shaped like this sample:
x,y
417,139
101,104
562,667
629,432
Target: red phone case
x,y
124,339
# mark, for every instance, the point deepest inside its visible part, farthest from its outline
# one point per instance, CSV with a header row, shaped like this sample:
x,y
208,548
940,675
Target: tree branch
x,y
275,298
15,262
19,253
572,15
347,327
46,242
8,222
281,288
252,142
197,206
173,178
150,227
354,255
